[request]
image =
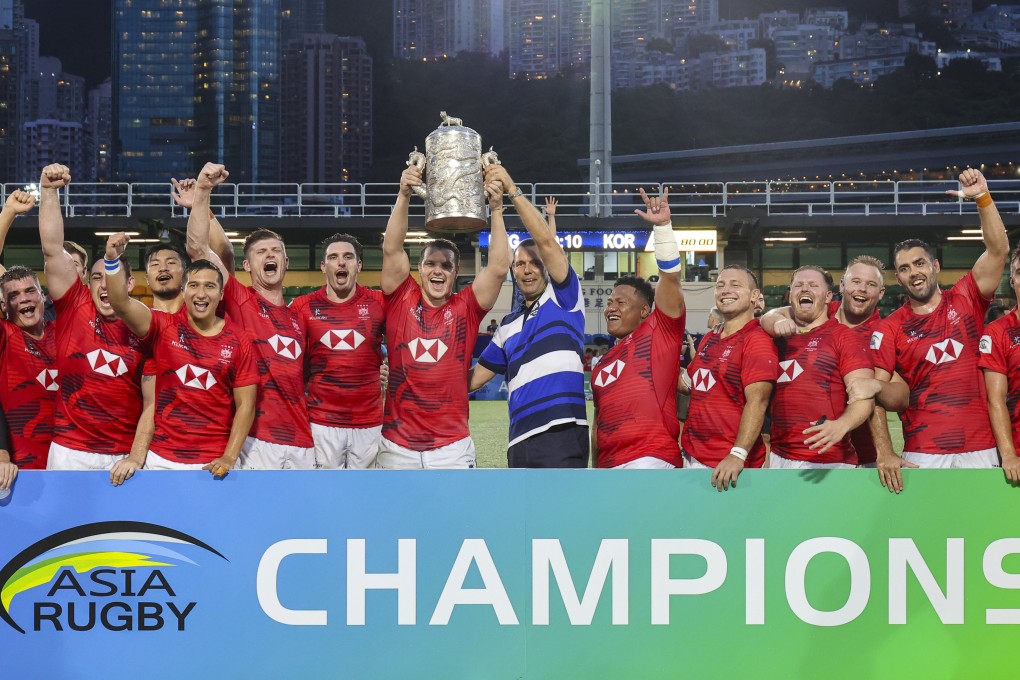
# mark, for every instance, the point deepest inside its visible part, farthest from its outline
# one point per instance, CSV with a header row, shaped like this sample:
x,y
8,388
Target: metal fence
x,y
713,199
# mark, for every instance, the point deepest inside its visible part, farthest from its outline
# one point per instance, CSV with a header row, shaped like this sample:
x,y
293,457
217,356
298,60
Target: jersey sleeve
x,y
854,354
992,349
394,298
761,359
246,371
235,294
494,356
75,296
666,352
967,286
474,310
883,345
568,293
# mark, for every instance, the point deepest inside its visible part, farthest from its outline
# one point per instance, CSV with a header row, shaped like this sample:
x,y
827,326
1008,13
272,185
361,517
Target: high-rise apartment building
x,y
196,81
545,37
300,17
99,133
326,132
439,29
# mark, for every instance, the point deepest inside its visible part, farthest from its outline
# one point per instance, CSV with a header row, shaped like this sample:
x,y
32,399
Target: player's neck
x,y
169,305
807,327
209,326
737,323
272,295
333,296
924,308
850,320
36,331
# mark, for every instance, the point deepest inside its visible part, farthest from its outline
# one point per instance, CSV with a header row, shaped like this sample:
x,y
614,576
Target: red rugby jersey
x,y
28,391
810,386
937,354
195,380
100,367
344,345
634,386
719,373
1000,352
430,354
861,437
281,413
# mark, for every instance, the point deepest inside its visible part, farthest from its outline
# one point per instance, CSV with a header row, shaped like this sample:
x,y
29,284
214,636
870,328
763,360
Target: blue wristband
x,y
111,265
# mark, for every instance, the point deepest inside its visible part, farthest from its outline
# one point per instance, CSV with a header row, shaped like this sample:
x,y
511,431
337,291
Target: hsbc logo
x,y
703,380
790,369
193,376
342,340
609,374
48,379
426,350
944,352
106,363
876,340
285,347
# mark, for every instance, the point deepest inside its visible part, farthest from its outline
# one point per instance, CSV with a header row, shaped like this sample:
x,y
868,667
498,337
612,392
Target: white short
x,y
261,455
455,456
777,462
154,461
646,463
691,463
63,458
346,448
985,458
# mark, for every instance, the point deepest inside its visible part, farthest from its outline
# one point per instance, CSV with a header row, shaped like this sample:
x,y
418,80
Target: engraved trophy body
x,y
453,180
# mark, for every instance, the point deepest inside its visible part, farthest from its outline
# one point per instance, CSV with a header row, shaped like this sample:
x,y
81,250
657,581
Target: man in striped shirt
x,y
539,348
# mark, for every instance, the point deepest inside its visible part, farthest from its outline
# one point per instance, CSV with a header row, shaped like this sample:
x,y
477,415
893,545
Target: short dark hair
x,y
643,288
18,272
813,268
1014,254
160,247
441,244
742,268
72,248
913,243
259,235
342,238
202,265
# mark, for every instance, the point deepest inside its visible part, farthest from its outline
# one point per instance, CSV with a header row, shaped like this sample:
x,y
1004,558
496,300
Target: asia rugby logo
x,y
101,575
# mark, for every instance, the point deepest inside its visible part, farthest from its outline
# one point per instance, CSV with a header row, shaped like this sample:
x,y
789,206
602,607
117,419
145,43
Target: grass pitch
x,y
490,429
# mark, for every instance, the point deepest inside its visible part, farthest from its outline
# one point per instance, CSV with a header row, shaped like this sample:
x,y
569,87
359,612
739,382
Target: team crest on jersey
x,y
285,347
427,350
107,363
944,352
48,379
789,370
342,340
195,376
226,352
363,310
876,340
985,345
703,380
609,374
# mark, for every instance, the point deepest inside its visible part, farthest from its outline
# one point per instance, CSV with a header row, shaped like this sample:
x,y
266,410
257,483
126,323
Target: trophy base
x,y
456,224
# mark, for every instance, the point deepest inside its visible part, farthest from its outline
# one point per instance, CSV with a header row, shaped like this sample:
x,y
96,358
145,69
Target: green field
x,y
490,425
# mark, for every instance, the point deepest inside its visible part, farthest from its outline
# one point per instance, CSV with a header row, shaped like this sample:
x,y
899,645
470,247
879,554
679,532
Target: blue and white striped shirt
x,y
540,349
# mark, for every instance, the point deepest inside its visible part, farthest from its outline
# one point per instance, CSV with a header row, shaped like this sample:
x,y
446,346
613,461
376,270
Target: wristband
x,y
112,266
983,200
667,252
739,452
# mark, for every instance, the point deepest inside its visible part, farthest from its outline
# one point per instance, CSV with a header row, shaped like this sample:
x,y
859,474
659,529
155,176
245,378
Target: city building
x,y
439,29
739,68
99,133
738,35
799,47
301,17
326,135
863,70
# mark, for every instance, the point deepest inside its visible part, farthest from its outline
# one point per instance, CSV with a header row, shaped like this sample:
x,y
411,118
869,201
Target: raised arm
x,y
58,265
133,313
199,220
669,294
549,249
395,265
988,268
183,193
244,416
489,280
550,213
18,203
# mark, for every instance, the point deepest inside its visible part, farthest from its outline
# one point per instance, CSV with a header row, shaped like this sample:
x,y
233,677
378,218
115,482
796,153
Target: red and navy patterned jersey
x,y
861,437
344,345
195,380
149,368
810,387
28,392
937,354
281,412
720,372
1000,353
430,355
100,367
634,386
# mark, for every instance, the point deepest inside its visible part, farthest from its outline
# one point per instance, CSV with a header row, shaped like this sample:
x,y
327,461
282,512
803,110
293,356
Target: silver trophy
x,y
453,180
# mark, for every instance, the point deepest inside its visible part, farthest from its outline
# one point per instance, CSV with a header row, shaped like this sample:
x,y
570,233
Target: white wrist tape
x,y
685,378
667,252
739,452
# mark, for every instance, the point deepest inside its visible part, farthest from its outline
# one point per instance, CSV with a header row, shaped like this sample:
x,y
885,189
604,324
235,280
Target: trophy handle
x,y
490,157
417,159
